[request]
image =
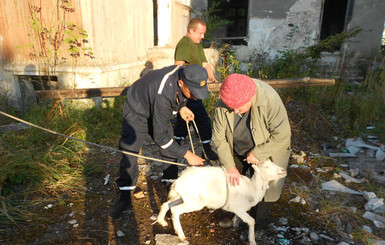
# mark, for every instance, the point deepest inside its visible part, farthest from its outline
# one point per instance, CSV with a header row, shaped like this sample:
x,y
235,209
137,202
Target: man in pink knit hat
x,y
250,126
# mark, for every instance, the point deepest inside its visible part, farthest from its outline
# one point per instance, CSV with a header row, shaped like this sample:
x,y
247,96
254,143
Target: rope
x,y
90,143
189,135
227,187
199,137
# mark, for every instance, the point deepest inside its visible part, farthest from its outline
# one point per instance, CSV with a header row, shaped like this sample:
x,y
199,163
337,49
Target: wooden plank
x,y
213,87
299,82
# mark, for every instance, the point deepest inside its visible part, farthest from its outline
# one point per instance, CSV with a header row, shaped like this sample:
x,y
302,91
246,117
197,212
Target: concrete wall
x,y
277,25
370,16
120,33
287,25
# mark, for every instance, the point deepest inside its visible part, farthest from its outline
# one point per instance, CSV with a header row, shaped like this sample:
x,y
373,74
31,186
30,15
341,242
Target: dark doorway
x,y
333,18
155,18
235,11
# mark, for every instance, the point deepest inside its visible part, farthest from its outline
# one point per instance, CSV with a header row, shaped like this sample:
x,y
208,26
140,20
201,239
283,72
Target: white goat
x,y
200,187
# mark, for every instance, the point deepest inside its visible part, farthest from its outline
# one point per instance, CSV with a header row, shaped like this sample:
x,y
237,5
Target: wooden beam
x,y
213,87
299,82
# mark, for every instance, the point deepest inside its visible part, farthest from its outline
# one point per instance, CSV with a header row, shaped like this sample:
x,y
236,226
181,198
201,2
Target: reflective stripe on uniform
x,y
167,145
163,82
127,188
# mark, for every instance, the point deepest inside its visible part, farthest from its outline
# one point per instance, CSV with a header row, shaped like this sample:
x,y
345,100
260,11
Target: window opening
x,y
383,41
235,11
41,82
155,19
333,18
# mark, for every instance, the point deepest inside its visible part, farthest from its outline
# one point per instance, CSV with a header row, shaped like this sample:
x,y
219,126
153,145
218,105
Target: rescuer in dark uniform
x,y
152,101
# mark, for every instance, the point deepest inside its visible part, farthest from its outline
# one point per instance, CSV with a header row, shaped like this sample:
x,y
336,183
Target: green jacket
x,y
270,131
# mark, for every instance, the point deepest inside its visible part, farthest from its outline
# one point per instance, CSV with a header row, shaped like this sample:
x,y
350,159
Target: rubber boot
x,y
261,212
211,155
123,203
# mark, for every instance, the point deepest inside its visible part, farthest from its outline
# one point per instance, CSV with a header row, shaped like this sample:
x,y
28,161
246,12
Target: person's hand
x,y
212,79
193,159
186,114
233,175
252,159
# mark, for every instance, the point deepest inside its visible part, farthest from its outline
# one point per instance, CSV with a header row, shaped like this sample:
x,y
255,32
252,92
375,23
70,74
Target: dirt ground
x,y
82,217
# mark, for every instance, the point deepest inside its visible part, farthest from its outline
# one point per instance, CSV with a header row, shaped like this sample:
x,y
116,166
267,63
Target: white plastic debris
x,y
120,233
343,154
372,217
354,172
295,199
367,229
380,155
48,206
302,201
333,185
326,237
351,179
106,179
322,170
374,203
283,221
368,195
72,221
359,143
314,236
379,224
153,218
353,149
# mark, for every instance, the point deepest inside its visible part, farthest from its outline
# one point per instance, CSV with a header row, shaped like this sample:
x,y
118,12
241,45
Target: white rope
x,y
90,143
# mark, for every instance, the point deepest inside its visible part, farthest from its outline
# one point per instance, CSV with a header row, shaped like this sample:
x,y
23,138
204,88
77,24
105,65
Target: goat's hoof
x,y
163,223
182,239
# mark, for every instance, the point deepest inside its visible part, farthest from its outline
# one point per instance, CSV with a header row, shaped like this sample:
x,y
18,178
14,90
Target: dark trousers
x,y
135,128
202,121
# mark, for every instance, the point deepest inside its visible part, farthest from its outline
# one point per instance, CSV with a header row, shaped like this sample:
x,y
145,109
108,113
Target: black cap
x,y
195,77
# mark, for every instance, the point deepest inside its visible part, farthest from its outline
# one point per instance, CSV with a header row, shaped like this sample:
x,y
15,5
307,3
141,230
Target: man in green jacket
x,y
189,51
250,126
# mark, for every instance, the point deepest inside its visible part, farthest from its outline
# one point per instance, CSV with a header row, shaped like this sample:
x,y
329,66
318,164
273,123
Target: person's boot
x,y
123,203
261,214
211,155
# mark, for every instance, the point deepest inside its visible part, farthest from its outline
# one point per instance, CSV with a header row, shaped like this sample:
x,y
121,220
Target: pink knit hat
x,y
237,90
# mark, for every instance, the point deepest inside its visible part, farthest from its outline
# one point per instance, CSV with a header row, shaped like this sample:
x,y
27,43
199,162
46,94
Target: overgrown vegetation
x,y
354,106
48,36
35,161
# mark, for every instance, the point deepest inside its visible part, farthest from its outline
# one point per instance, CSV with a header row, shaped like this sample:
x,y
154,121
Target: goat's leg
x,y
251,222
236,220
176,211
162,213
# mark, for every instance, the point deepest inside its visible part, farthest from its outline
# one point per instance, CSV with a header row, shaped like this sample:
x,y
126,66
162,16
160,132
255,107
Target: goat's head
x,y
270,171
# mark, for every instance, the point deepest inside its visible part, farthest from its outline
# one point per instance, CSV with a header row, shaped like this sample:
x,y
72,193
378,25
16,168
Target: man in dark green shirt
x,y
189,50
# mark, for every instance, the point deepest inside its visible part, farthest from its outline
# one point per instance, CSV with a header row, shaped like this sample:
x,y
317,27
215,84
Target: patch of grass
x,y
42,164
